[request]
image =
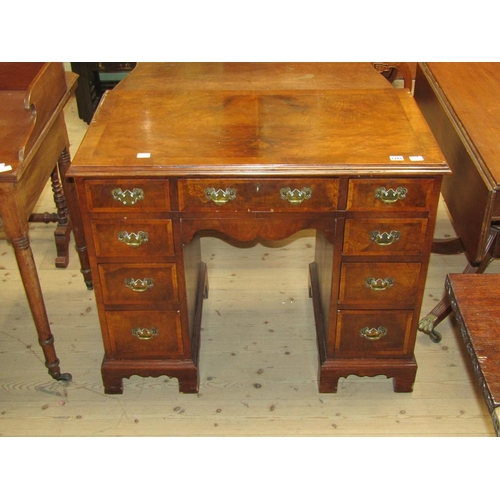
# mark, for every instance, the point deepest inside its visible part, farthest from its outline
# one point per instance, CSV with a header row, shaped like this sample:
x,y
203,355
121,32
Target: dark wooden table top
x,y
263,118
475,301
470,92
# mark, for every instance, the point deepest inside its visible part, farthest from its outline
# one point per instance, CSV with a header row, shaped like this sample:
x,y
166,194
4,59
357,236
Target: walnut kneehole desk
x,y
258,150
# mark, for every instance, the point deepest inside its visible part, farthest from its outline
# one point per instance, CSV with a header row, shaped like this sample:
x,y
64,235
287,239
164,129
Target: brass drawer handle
x,y
295,196
139,285
373,333
128,197
384,239
390,195
220,196
379,284
133,239
145,333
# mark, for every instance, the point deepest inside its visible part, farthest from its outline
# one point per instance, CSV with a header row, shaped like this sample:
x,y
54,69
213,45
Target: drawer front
x,y
270,195
127,195
378,284
390,194
364,334
139,283
133,238
384,236
144,334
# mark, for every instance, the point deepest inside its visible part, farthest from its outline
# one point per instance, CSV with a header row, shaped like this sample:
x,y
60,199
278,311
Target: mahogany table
x,y
459,101
258,151
474,300
34,147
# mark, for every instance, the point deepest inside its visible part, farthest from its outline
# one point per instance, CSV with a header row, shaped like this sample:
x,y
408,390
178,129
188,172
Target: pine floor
x,y
258,356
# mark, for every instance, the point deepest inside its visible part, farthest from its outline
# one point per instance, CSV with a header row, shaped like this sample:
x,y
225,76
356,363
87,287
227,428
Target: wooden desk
x,y
258,151
459,101
474,300
34,142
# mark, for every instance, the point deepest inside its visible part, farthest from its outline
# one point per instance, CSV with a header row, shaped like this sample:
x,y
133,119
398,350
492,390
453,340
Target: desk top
x,y
262,118
470,91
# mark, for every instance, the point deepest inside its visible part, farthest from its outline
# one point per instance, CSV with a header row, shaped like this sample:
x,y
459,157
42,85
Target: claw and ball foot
x,y
426,326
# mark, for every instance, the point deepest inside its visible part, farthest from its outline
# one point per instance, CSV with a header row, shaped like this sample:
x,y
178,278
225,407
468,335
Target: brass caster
x,y
64,377
435,336
426,326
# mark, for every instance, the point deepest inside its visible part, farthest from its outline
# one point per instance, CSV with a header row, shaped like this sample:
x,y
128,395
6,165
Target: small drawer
x,y
127,194
376,284
144,334
269,195
133,238
138,283
384,236
375,334
390,194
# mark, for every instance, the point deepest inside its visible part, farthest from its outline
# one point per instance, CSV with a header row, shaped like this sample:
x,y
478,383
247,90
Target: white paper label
x,y
143,155
396,158
5,168
416,158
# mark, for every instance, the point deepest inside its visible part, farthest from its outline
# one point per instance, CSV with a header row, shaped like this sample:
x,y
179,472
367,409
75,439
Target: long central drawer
x,y
269,195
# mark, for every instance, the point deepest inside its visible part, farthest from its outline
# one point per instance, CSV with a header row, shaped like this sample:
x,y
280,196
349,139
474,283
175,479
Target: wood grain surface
x,y
258,371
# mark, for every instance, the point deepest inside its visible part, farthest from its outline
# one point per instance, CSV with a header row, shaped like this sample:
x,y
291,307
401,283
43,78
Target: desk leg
x,y
29,276
75,218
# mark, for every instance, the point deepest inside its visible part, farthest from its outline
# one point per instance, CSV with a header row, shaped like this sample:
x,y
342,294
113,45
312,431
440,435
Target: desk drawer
x,y
375,334
390,194
376,284
384,236
144,334
138,283
133,238
128,194
269,195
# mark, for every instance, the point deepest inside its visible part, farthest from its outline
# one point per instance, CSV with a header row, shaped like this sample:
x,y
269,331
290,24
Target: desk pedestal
x,y
366,281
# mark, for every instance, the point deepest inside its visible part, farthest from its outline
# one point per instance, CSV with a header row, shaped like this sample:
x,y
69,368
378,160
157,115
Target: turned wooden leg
x,y
76,220
63,230
29,275
62,233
